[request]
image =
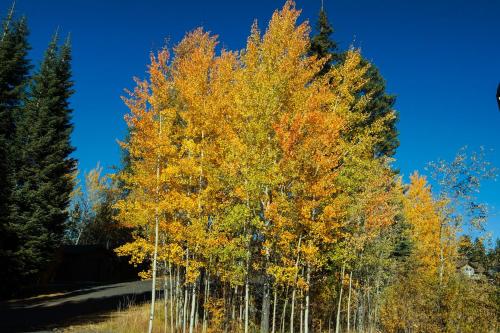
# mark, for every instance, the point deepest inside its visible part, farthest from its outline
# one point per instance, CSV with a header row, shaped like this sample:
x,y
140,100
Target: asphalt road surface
x,y
46,312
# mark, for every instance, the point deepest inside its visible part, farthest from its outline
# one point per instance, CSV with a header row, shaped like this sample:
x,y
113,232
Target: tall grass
x,y
129,319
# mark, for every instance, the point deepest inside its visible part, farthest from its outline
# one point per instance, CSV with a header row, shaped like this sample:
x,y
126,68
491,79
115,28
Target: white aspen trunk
x,y
184,310
266,305
349,304
171,298
80,231
207,292
273,329
157,222
266,292
283,315
197,305
193,308
337,326
247,287
306,311
155,255
292,309
186,292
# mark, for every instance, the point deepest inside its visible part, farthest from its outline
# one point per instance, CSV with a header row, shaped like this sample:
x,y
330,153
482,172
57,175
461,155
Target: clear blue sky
x,y
441,58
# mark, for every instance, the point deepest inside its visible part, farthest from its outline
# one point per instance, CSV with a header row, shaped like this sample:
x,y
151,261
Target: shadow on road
x,y
83,305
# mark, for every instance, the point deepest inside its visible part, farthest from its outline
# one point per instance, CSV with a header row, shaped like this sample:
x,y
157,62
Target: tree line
x,y
260,187
36,166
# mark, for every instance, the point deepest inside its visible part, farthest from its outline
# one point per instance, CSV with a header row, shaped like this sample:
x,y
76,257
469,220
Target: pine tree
x,y
380,105
14,71
322,45
44,178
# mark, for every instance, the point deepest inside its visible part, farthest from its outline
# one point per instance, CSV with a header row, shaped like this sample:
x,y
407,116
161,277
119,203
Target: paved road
x,y
46,312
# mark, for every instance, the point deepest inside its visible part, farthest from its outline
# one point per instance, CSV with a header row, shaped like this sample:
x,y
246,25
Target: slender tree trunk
x,y
292,309
184,309
207,291
197,307
153,283
247,292
349,304
337,327
157,222
266,296
193,308
283,314
171,298
186,292
273,329
266,306
377,292
306,311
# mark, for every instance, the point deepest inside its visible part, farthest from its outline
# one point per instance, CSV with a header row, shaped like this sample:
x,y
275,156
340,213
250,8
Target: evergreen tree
x,y
322,45
379,106
381,103
44,179
14,71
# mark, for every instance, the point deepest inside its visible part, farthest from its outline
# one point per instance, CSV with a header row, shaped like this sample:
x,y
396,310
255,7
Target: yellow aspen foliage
x,y
152,149
262,179
431,237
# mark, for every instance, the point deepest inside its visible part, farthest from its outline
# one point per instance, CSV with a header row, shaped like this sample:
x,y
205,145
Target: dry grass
x,y
133,319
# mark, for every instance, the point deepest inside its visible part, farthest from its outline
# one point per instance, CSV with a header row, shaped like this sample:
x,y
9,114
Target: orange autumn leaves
x,y
232,148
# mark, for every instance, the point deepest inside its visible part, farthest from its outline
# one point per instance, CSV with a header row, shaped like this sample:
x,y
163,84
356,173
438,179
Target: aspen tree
x,y
152,121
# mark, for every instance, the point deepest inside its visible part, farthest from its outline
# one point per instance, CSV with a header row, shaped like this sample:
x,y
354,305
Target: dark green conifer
x,y
379,106
14,72
45,165
322,45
